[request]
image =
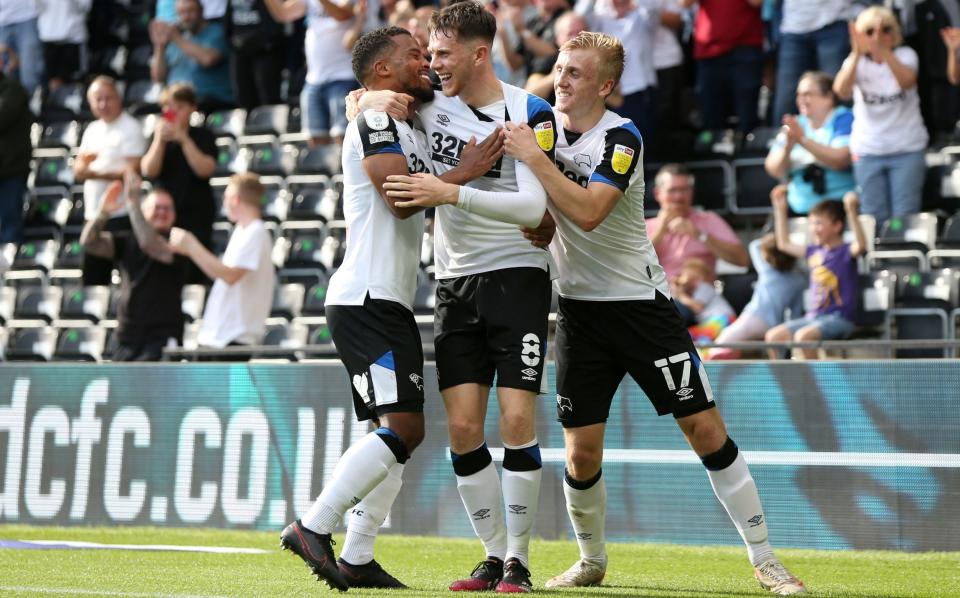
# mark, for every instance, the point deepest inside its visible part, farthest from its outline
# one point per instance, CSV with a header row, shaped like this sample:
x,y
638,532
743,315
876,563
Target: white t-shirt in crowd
x,y
667,52
17,11
327,59
113,143
214,9
804,16
64,22
636,31
886,119
236,313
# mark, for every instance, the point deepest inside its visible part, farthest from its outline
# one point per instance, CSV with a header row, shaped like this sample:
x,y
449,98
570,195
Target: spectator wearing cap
x,y
240,299
181,159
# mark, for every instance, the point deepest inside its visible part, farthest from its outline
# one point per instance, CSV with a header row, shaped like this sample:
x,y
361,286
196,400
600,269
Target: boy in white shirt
x,y
240,299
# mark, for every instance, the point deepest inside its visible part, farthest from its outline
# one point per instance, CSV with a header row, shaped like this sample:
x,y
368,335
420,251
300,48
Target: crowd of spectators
x,y
842,89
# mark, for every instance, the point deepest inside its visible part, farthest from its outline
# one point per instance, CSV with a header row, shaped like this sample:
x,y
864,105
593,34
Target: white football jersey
x,y
383,251
467,243
615,261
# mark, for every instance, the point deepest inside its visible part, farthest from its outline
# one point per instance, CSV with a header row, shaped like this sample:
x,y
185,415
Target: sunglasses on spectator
x,y
886,30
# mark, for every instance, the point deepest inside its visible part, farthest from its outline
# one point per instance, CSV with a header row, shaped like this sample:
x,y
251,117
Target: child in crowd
x,y
834,281
779,288
705,310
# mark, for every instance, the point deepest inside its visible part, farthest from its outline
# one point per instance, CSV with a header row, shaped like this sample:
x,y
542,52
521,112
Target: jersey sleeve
x,y
378,133
622,153
541,119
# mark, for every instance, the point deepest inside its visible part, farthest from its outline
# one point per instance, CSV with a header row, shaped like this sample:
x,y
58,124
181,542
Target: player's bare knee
x,y
408,426
517,428
465,433
583,462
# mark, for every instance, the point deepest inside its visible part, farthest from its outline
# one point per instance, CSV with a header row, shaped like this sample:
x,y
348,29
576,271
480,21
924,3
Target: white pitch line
x,y
82,592
154,547
822,459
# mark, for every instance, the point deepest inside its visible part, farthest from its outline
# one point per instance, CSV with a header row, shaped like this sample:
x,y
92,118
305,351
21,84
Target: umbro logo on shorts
x,y
529,374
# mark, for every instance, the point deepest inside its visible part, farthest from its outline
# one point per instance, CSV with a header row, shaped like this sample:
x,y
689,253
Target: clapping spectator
x,y
888,138
680,232
508,60
728,48
62,26
110,145
779,288
635,23
149,313
19,32
812,150
15,121
329,72
813,36
239,301
256,57
834,282
951,39
181,159
193,51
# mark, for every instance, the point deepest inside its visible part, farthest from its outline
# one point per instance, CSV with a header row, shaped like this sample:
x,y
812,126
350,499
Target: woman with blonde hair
x,y
888,137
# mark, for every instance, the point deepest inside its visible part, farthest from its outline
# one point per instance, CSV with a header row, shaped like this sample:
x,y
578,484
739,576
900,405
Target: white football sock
x,y
737,492
365,464
588,510
480,493
521,497
365,519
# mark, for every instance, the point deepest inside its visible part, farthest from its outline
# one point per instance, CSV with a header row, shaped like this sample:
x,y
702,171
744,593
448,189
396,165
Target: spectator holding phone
x,y
181,159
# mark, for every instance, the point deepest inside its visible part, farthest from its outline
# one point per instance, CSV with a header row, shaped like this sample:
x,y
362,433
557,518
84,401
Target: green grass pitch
x,y
427,565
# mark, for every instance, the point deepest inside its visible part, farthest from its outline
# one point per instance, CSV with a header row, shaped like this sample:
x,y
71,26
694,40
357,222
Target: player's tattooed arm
x,y
94,239
148,238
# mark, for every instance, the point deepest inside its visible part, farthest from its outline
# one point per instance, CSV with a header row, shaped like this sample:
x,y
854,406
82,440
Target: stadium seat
x,y
334,245
267,120
33,343
227,123
137,66
939,289
287,301
56,135
318,334
303,244
915,231
261,154
36,254
48,207
85,303
294,121
109,60
876,298
753,186
81,343
142,98
313,203
114,302
713,184
66,103
70,256
77,217
38,303
757,143
51,168
8,303
950,237
313,304
901,261
227,153
191,301
738,289
280,333
426,296
923,323
323,159
717,143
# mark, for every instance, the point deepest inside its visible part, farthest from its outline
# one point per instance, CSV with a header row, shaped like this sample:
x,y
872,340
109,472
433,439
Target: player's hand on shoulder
x,y
420,190
543,234
520,142
395,104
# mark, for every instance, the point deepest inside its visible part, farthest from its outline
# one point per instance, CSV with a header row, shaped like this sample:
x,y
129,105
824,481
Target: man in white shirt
x,y
110,145
615,314
239,301
329,76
